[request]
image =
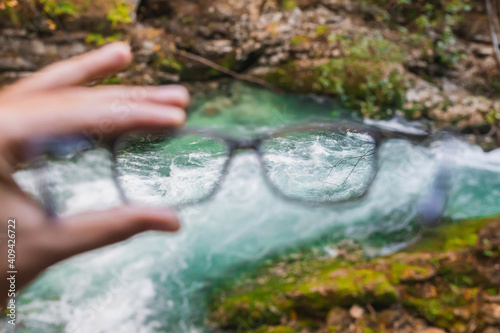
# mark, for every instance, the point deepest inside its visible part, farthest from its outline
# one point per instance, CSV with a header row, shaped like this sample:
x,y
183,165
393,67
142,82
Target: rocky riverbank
x,y
430,60
447,282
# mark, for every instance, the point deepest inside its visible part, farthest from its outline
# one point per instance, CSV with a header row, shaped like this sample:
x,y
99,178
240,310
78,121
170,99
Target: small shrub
x,y
120,14
289,5
99,40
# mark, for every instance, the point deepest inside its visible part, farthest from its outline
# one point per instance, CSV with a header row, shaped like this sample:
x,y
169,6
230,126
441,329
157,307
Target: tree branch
x,y
237,76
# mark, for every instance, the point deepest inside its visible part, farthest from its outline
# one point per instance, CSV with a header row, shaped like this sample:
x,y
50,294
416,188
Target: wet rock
x,y
466,114
337,317
356,312
345,287
215,47
489,239
389,317
424,93
491,298
492,330
491,313
15,64
432,330
482,50
413,268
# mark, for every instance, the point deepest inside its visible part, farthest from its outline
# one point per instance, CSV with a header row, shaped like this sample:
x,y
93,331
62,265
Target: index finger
x,y
76,71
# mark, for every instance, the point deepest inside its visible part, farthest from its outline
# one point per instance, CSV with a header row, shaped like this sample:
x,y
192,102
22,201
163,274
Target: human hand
x,y
54,102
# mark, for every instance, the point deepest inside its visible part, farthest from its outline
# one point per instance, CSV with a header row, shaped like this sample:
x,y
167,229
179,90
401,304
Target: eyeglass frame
x,y
48,147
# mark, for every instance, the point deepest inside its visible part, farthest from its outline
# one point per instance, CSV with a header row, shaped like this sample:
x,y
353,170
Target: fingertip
x,y
159,219
119,52
172,94
181,93
169,221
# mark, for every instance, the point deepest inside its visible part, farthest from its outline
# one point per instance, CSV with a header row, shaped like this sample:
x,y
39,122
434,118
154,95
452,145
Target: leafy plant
x,y
57,8
99,40
289,5
299,39
121,13
321,30
420,16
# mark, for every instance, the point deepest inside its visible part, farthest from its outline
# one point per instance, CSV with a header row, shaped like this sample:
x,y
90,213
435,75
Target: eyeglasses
x,y
320,163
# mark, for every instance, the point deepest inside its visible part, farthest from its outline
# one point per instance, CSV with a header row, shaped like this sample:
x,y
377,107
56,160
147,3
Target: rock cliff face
x,y
380,57
448,282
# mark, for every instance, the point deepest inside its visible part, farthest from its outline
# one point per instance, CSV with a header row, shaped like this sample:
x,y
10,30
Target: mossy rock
x,y
368,78
250,310
402,272
435,311
442,287
275,329
345,287
451,236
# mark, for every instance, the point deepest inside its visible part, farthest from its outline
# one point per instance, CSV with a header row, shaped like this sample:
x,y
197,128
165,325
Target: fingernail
x,y
119,48
172,93
177,115
122,46
170,220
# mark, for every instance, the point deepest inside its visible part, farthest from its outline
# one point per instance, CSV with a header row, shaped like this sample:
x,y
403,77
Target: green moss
x,y
308,287
433,310
403,272
57,8
298,40
321,30
346,287
368,80
251,309
169,65
275,329
420,16
374,88
112,80
493,291
187,20
451,236
289,5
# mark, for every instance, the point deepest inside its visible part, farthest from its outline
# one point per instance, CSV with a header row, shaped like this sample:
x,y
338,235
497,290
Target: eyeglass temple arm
x,y
39,150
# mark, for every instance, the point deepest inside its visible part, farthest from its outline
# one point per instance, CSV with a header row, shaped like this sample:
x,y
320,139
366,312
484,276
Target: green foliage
x,y
371,87
367,80
322,30
449,237
289,5
187,20
120,14
419,16
346,287
56,8
99,39
299,39
169,65
112,80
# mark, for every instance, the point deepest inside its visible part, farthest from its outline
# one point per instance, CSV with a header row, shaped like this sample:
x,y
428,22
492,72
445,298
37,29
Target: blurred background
x,y
247,261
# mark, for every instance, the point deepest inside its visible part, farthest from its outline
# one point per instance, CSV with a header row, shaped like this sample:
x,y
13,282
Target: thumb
x,y
89,231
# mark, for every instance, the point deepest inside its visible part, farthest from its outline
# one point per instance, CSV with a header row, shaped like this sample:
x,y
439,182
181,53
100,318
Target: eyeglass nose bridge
x,y
236,145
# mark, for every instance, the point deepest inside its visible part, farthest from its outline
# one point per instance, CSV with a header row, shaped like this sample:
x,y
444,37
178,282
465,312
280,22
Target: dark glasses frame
x,y
58,147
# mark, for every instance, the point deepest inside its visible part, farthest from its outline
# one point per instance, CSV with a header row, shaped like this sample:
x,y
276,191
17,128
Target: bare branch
x,y
237,76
